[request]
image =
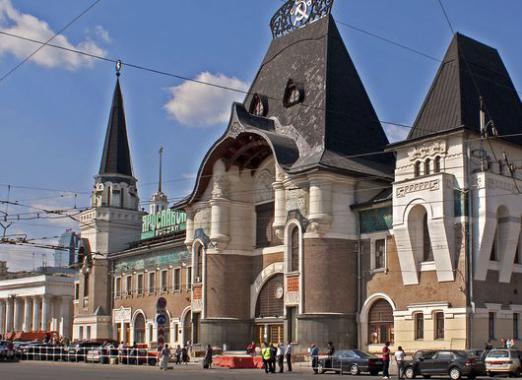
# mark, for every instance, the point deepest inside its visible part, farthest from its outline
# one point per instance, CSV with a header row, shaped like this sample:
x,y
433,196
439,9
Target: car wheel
x,y
409,373
354,370
320,368
454,373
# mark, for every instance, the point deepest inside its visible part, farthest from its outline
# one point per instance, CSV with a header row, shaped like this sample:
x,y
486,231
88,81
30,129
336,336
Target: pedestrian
x,y
509,343
288,355
265,355
280,356
314,354
184,355
331,349
399,358
207,361
386,361
178,355
164,358
251,349
273,356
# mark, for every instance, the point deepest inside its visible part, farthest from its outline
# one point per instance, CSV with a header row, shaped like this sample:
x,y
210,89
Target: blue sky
x,y
54,108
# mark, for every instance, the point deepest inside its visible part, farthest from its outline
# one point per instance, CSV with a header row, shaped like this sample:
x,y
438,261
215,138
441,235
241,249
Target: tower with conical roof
x,y
110,225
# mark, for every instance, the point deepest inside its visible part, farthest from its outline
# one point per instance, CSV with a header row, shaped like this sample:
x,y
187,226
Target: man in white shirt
x,y
288,354
399,358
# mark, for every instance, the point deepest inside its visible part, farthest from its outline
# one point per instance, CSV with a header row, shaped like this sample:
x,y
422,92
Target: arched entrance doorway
x,y
139,329
269,313
380,322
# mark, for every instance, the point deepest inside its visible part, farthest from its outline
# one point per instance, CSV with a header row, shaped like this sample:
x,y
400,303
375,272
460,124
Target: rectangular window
x,y
139,285
86,285
151,333
419,326
439,325
518,252
118,287
164,286
380,252
80,333
88,332
177,279
189,278
265,236
76,291
152,282
129,285
491,325
291,313
515,326
176,332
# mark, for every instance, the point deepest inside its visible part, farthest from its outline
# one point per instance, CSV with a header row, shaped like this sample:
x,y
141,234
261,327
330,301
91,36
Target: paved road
x,y
30,370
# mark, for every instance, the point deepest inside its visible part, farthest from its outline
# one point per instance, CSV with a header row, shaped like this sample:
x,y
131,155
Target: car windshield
x,y
498,354
363,355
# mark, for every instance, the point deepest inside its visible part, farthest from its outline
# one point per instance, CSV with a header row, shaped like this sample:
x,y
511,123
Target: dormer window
x,y
294,93
259,105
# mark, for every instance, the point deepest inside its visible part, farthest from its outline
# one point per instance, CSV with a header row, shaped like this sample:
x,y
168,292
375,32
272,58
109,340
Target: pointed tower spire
x,y
116,158
160,169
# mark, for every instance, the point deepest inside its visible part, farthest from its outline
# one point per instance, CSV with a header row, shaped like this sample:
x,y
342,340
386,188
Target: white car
x,y
504,361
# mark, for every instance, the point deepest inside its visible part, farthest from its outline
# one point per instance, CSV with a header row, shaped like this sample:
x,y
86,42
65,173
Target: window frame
x,y
152,275
384,255
491,325
438,330
164,287
294,257
176,285
188,279
418,319
117,286
139,291
128,285
516,326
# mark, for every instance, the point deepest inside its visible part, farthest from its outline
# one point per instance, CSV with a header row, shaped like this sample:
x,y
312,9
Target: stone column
x,y
65,313
123,332
37,314
27,314
17,318
9,315
46,311
2,316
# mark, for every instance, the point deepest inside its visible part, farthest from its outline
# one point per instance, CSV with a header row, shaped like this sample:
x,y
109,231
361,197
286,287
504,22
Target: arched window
x,y
419,234
380,323
139,329
294,249
270,302
427,165
199,264
294,93
416,169
419,326
436,165
259,105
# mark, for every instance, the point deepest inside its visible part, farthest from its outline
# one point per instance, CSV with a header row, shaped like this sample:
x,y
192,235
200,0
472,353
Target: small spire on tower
x,y
118,67
160,168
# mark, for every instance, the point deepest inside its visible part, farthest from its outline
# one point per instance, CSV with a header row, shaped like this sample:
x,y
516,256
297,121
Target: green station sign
x,y
163,223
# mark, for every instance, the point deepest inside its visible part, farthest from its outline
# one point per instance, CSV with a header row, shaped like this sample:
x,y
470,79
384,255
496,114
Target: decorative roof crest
x,y
295,14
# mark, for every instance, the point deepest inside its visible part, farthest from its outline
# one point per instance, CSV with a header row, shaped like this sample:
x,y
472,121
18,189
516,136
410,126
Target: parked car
x,y
350,361
7,351
453,363
102,354
39,351
504,361
137,356
78,352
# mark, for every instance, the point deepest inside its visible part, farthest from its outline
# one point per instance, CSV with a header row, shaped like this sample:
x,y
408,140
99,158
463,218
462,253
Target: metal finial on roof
x,y
160,169
118,67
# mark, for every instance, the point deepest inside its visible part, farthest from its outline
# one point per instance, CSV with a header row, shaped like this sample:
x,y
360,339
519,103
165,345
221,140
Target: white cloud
x,y
396,133
102,34
24,24
198,105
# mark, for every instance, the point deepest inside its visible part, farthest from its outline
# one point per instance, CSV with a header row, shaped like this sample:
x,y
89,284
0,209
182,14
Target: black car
x,y
350,361
452,363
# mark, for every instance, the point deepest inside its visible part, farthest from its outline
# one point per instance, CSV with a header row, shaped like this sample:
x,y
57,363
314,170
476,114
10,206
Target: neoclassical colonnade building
x,y
41,303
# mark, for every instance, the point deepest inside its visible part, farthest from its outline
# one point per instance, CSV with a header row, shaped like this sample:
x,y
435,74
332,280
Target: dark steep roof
x,y
116,158
469,70
336,115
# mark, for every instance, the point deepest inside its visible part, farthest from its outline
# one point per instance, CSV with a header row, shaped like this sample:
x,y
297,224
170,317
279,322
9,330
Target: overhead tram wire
x,y
66,26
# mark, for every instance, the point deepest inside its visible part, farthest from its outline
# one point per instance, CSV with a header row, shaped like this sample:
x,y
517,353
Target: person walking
x,y
273,356
331,349
386,361
184,355
164,358
314,354
178,355
280,356
399,358
207,362
288,356
265,355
